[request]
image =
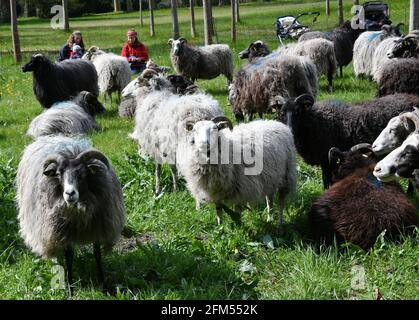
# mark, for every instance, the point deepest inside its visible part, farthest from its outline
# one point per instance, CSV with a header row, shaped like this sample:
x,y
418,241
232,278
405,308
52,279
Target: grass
x,y
180,252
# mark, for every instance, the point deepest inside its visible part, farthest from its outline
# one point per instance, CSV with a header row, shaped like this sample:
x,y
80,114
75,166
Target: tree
x,y
151,8
175,23
233,20
65,12
340,11
17,54
25,9
237,10
4,11
207,22
116,5
327,7
140,5
129,6
414,15
192,11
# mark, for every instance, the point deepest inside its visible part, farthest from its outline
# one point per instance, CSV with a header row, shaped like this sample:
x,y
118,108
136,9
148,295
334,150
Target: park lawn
x,y
181,253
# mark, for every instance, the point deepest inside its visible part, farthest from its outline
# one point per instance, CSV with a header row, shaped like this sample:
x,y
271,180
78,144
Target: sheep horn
x,y
399,25
412,117
362,146
51,159
334,152
92,154
216,120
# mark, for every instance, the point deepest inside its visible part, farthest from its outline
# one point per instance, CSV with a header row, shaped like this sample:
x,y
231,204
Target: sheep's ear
x,y
410,124
305,100
182,40
336,157
170,42
50,168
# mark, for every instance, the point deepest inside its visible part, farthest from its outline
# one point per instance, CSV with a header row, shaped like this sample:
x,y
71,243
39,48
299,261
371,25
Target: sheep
x,y
55,82
265,83
158,138
207,62
343,39
332,123
320,51
68,194
399,76
365,46
406,47
358,208
68,117
215,166
114,71
381,58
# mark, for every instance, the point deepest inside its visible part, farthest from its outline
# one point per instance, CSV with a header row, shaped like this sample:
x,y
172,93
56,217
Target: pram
x,y
373,15
289,26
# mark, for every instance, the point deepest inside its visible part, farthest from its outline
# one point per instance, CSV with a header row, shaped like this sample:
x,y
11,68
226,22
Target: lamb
x,y
59,81
114,71
399,76
219,168
265,83
68,194
319,127
207,62
320,51
365,46
68,118
343,39
358,208
159,139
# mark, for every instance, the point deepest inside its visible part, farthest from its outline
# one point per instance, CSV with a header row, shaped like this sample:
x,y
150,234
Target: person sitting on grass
x,y
135,52
75,39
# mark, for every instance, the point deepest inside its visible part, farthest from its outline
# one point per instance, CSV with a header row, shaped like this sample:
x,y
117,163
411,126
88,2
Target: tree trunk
x,y
175,22
129,6
15,34
327,7
25,9
151,6
340,12
116,5
237,11
65,12
192,11
207,22
140,5
233,20
414,15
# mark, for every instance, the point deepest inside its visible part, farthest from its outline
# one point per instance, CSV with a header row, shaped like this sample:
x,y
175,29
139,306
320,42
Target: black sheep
x,y
59,81
331,123
343,38
358,207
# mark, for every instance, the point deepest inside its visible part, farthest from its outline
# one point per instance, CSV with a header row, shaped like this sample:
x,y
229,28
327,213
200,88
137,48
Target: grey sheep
x,y
59,81
381,57
68,194
235,166
68,118
159,124
207,62
267,82
114,71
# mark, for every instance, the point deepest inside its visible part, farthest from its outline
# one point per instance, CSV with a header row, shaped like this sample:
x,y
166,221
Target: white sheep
x,y
245,164
381,57
68,194
114,71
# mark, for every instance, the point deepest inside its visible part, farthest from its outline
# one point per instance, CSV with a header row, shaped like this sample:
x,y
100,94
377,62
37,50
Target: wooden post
x,y
175,23
207,21
25,9
233,20
237,11
140,4
65,12
340,12
327,7
17,54
150,7
116,5
414,15
192,11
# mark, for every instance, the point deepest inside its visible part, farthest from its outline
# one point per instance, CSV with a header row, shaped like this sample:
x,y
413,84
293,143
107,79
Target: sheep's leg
x,y
410,188
69,257
325,175
341,71
260,115
219,212
197,205
98,257
269,206
250,117
110,97
282,199
173,170
330,80
157,189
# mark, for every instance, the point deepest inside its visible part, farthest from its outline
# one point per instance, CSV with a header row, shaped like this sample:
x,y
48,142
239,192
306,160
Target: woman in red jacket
x,y
135,52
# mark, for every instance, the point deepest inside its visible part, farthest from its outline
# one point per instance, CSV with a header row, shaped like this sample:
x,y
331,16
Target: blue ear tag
x,y
374,181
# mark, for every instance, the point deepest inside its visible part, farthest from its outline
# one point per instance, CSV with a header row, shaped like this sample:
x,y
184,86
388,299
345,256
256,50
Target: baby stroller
x,y
373,15
289,26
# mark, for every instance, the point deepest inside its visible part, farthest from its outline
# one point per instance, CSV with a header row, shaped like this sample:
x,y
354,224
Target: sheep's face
x,y
35,63
409,161
177,46
397,130
79,179
255,49
404,48
291,110
386,169
180,83
92,53
90,103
